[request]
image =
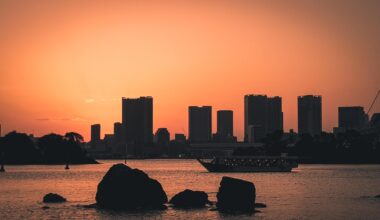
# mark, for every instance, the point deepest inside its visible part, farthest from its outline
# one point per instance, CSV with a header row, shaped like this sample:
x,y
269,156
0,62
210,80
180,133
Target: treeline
x,y
19,148
349,147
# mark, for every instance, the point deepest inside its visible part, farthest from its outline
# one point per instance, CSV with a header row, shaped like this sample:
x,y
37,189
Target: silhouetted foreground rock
x,y
123,188
236,195
190,199
53,198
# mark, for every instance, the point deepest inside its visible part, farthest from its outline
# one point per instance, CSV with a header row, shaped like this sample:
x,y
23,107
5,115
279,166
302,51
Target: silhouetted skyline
x,y
263,117
62,69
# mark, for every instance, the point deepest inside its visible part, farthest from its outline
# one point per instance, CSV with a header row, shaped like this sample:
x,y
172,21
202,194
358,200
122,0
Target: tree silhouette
x,y
74,137
18,148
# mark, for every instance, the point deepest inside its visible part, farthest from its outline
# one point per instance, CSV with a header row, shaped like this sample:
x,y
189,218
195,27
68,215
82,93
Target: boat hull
x,y
221,168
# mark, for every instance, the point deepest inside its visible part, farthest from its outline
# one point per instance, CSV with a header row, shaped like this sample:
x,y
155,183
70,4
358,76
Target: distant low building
x,y
375,120
162,137
180,138
352,118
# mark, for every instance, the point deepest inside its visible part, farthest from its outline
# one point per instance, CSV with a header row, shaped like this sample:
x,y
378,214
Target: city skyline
x,y
117,127
65,66
262,116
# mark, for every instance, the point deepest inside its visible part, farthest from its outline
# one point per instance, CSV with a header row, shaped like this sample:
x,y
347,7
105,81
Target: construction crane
x,y
373,102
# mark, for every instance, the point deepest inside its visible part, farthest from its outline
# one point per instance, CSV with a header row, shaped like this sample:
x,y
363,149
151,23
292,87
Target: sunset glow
x,y
65,65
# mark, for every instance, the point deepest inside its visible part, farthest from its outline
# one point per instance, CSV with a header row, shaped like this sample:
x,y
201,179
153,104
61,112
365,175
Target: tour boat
x,y
250,164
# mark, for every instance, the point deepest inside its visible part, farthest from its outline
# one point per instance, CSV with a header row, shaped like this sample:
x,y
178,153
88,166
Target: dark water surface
x,y
310,192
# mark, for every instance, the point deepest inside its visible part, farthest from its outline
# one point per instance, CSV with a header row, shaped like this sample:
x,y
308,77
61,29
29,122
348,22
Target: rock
x,y
378,196
45,207
53,198
90,206
260,205
190,199
123,188
236,195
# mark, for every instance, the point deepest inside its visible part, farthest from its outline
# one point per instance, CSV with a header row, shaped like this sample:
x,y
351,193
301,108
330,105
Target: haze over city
x,y
66,65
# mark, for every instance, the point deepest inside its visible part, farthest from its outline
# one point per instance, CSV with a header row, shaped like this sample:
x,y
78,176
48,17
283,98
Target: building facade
x,y
310,115
264,114
352,117
200,124
162,137
225,127
137,121
95,134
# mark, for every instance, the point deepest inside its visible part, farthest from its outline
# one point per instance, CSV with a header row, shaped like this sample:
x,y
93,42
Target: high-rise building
x,y
137,120
275,115
264,113
118,132
352,117
95,134
200,124
225,123
310,115
225,127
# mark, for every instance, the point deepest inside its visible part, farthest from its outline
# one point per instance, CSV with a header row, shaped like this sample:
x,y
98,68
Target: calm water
x,y
310,192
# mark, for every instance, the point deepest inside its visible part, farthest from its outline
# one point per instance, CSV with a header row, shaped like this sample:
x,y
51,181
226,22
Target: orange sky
x,y
66,64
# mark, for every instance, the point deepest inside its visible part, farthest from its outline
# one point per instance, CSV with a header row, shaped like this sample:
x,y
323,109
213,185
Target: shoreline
x,y
97,161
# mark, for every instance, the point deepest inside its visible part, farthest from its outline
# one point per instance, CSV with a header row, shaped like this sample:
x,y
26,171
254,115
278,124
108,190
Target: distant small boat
x,y
250,164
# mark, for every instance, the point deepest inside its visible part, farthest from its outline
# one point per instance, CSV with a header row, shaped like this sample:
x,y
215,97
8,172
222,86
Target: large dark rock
x,y
53,198
236,195
190,199
378,196
129,189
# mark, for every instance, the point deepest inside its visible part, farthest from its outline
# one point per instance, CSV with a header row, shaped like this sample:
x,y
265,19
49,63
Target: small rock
x,y
260,205
90,206
236,195
190,199
45,207
53,198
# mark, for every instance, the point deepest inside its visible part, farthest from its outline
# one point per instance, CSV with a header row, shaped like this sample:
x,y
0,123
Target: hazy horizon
x,y
65,65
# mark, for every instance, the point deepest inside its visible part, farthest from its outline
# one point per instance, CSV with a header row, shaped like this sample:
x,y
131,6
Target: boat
x,y
250,164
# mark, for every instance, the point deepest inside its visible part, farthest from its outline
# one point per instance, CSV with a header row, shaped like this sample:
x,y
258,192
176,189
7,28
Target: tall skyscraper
x,y
137,119
200,124
352,117
225,123
310,115
275,115
225,127
95,134
262,114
